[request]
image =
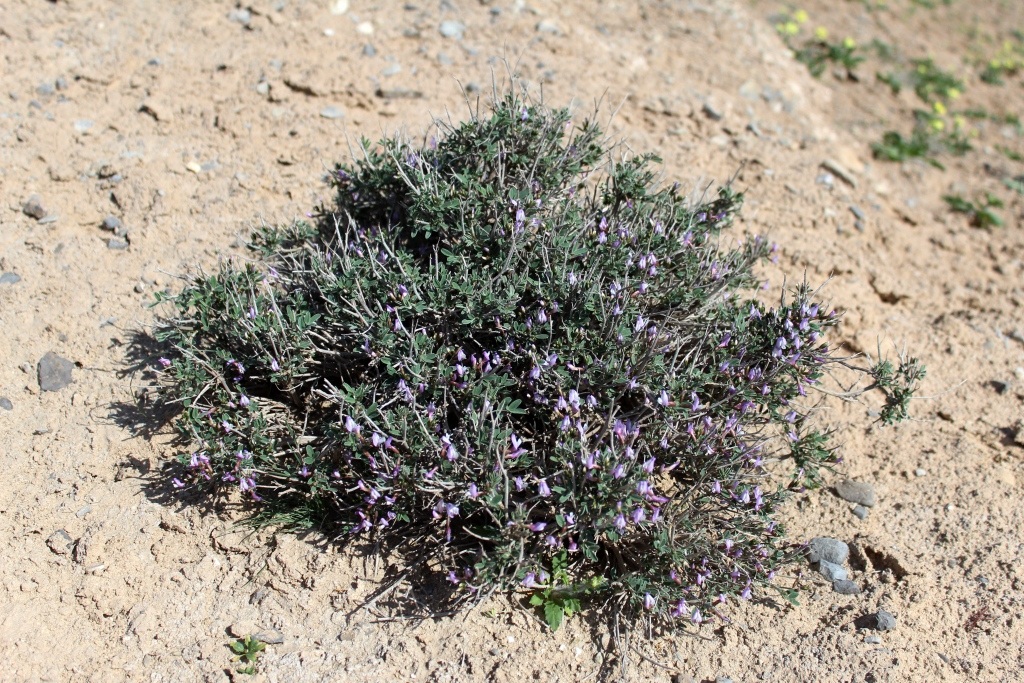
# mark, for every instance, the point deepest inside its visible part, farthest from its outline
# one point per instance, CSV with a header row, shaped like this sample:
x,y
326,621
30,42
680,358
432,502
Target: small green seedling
x,y
817,54
929,81
560,599
980,215
894,147
248,650
1016,183
1010,154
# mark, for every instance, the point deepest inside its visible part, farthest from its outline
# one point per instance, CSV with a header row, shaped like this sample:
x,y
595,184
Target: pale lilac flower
x,y
178,483
164,362
543,489
273,365
529,580
538,526
377,439
649,601
620,522
243,401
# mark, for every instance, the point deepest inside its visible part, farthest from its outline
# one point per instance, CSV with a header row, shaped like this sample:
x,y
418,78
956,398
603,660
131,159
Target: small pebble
x,y
339,7
723,679
117,244
111,223
369,50
444,60
860,511
873,640
242,16
332,112
364,28
60,542
879,621
548,26
920,472
34,208
831,571
827,549
54,372
46,89
10,279
452,29
52,218
711,112
856,211
391,69
5,403
84,510
856,492
845,587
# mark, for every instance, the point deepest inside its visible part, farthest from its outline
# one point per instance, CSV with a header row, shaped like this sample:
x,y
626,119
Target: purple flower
x,y
619,472
542,317
377,439
227,426
529,580
542,488
273,365
649,601
448,449
620,522
178,483
696,617
655,514
552,360
643,488
570,519
350,426
452,578
451,510
551,540
638,515
164,362
520,485
538,526
473,492
244,401
649,466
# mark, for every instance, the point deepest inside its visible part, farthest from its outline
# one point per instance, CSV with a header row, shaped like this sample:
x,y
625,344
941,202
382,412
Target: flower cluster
x,y
509,347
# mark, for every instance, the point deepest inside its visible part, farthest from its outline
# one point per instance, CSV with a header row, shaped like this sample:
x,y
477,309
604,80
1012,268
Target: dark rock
x,y
5,403
860,511
827,549
54,372
845,587
10,279
112,223
856,492
712,113
34,208
879,621
831,571
60,542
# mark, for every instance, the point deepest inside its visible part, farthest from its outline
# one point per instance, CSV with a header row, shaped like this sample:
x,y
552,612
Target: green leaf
x,y
553,614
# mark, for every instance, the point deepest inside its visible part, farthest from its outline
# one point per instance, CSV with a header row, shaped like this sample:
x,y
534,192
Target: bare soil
x,y
190,126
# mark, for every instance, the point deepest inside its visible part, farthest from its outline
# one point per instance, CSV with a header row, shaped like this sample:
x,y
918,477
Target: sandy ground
x,y
189,122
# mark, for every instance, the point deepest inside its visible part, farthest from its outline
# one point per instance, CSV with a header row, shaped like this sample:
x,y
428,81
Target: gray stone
x,y
711,112
5,403
723,679
60,542
369,50
52,218
332,112
117,244
845,587
452,29
827,549
831,571
82,125
873,640
857,211
112,223
444,60
270,637
860,511
10,279
46,89
548,26
856,492
242,16
54,372
878,621
84,510
61,84
391,69
34,207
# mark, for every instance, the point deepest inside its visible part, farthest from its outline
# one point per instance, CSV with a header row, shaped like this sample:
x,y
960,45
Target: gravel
x,y
60,542
117,244
873,640
332,112
857,492
10,279
831,571
54,372
860,511
878,621
827,549
112,223
33,208
845,587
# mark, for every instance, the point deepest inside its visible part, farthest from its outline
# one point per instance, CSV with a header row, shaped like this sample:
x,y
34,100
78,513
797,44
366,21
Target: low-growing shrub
x,y
512,356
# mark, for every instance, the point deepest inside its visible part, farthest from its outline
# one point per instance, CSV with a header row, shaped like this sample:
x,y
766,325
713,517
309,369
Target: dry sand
x,y
192,121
